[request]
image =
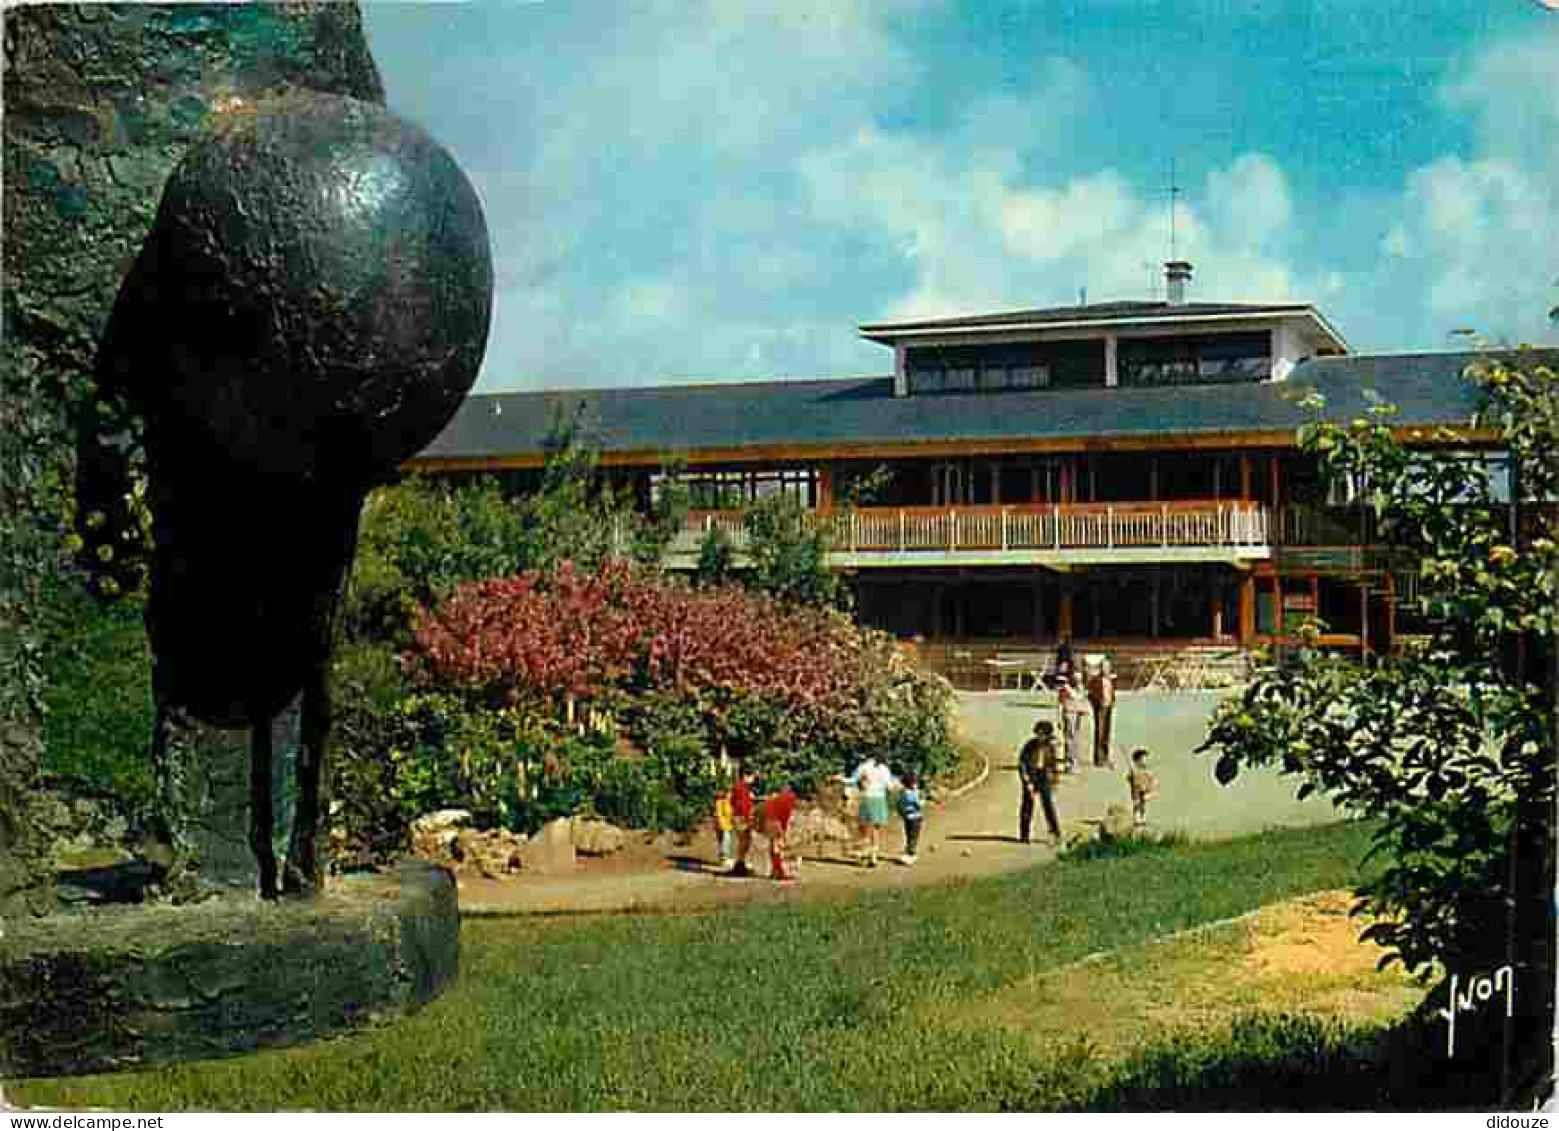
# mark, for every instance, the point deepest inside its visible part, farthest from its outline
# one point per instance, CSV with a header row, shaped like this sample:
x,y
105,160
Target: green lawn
x,y
859,1004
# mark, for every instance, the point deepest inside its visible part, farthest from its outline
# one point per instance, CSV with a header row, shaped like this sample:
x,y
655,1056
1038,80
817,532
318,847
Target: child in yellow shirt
x,y
724,836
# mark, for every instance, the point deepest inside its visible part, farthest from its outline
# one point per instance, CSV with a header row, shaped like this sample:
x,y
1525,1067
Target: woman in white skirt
x,y
873,780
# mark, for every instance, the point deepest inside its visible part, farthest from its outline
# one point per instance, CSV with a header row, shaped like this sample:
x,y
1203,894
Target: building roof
x,y
859,413
1099,315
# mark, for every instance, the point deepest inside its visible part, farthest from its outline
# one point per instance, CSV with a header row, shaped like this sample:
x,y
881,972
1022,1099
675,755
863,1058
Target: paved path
x,y
973,835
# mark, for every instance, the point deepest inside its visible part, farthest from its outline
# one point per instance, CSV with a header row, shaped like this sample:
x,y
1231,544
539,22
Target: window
x,y
1207,359
730,490
1004,366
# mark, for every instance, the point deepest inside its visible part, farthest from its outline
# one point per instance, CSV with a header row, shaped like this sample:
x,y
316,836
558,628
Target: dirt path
x,y
972,835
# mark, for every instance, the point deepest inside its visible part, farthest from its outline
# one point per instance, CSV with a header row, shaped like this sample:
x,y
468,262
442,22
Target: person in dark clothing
x,y
1035,761
1064,661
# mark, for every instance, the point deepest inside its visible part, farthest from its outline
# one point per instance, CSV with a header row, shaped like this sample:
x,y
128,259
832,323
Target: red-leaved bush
x,y
621,633
585,634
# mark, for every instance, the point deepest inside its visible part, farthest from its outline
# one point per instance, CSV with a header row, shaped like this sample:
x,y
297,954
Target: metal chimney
x,y
1177,273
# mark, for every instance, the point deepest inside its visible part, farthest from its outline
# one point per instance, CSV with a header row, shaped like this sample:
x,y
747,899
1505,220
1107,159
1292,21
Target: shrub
x,y
369,804
1113,848
98,694
798,692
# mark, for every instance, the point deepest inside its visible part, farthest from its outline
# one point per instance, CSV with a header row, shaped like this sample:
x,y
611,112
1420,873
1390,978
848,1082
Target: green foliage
x,y
371,807
1450,747
1115,847
98,693
788,554
716,560
422,538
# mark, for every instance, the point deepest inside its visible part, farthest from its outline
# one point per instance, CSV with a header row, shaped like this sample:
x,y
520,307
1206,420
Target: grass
x,y
897,999
99,695
972,761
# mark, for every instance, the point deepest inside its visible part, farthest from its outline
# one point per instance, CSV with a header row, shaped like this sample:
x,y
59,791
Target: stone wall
x,y
101,101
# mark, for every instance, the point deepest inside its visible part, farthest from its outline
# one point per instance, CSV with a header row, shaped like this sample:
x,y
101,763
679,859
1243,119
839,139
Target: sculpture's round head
x,y
309,310
313,301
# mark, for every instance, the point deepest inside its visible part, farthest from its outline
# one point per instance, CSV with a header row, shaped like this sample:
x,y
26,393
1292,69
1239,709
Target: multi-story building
x,y
1125,473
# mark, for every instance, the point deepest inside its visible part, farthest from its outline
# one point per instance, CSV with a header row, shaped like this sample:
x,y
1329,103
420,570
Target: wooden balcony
x,y
1053,535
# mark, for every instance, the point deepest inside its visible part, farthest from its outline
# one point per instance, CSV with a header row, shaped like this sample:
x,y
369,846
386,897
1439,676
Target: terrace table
x,y
1017,668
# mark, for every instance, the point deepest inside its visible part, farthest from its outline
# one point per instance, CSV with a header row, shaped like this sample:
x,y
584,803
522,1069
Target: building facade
x,y
1124,474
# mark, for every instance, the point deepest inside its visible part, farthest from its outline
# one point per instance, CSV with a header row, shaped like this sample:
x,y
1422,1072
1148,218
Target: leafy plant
x,y
1450,747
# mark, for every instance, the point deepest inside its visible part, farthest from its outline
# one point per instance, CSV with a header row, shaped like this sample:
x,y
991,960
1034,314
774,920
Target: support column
x,y
1247,609
1277,605
1064,615
1273,479
1245,476
825,488
1039,605
1153,585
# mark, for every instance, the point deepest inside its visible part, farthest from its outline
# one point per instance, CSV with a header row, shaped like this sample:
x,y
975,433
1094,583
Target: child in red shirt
x,y
777,811
741,817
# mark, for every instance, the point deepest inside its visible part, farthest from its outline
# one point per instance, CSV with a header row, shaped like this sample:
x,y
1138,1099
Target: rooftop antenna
x,y
1174,206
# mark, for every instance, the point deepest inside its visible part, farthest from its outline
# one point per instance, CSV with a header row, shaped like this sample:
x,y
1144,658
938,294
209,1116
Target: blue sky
x,y
724,190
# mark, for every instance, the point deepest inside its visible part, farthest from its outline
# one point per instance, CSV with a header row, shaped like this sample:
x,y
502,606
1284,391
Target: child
x,y
741,817
1144,786
724,837
912,810
777,811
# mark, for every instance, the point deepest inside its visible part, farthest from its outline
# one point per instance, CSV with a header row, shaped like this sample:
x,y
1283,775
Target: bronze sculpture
x,y
310,308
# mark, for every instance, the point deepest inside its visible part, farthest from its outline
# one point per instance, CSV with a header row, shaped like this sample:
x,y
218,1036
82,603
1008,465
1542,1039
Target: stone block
x,y
126,988
551,851
597,838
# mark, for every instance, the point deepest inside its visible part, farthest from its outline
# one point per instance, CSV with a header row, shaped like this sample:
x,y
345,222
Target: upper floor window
x,y
994,367
731,490
1206,359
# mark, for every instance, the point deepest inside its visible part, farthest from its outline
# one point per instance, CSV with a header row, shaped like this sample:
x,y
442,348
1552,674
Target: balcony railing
x,y
1073,526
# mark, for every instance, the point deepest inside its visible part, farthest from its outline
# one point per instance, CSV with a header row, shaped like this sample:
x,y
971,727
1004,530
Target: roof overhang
x,y
1417,435
890,334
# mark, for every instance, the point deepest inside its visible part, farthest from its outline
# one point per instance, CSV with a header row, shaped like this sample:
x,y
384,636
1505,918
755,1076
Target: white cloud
x,y
972,234
1477,236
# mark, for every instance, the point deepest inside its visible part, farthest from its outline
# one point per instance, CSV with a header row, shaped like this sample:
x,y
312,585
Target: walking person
x,y
912,810
1101,697
1074,708
1035,763
873,780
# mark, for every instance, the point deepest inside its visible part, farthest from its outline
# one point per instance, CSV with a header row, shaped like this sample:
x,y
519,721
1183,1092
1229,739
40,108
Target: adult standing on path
x,y
1101,696
874,780
1074,708
1034,765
